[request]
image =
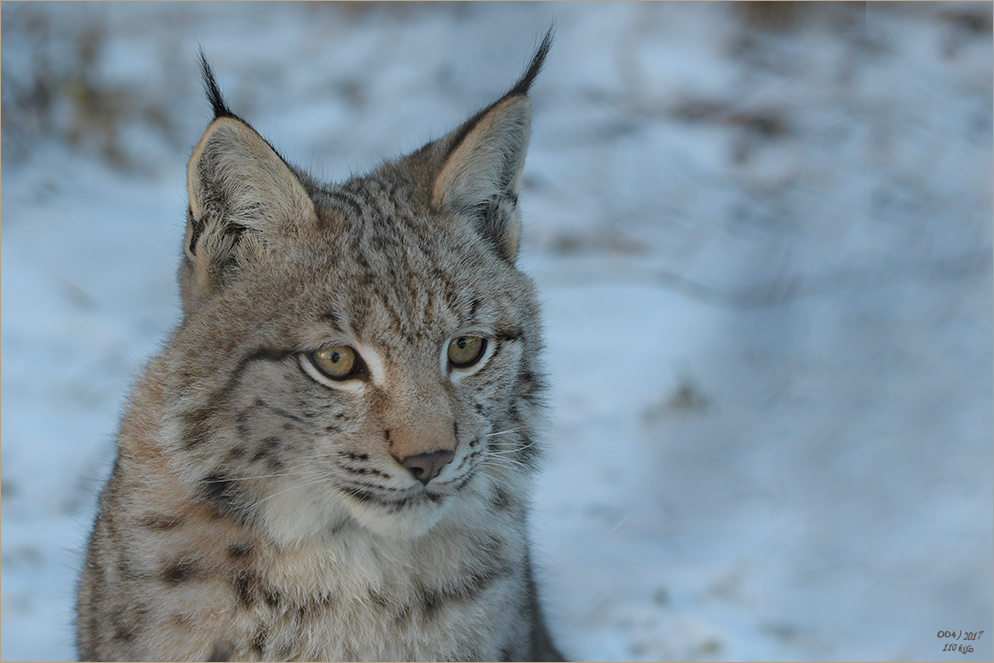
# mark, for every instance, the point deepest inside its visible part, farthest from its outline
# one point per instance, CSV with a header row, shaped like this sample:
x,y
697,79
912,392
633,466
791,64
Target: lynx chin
x,y
332,457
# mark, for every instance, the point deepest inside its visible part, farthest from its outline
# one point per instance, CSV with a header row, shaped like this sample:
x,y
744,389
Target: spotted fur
x,y
257,511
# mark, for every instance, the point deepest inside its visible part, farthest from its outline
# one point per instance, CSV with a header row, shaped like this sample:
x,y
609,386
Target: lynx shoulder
x,y
332,456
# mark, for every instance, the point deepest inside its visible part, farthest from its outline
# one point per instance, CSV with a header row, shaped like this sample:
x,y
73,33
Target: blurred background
x,y
762,234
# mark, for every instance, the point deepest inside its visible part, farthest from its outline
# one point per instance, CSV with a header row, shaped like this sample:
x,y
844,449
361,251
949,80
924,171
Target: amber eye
x,y
337,363
466,350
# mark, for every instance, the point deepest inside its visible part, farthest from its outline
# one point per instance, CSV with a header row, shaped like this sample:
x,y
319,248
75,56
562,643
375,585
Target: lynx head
x,y
362,354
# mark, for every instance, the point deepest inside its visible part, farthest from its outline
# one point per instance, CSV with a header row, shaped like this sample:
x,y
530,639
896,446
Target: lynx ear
x,y
481,177
242,197
481,172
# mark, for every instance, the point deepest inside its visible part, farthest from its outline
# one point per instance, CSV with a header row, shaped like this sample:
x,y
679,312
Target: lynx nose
x,y
426,467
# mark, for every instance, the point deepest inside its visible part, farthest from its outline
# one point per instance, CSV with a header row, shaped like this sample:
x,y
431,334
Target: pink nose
x,y
426,467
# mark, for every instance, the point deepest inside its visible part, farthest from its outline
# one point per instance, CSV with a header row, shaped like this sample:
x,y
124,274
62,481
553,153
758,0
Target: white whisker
x,y
504,452
503,432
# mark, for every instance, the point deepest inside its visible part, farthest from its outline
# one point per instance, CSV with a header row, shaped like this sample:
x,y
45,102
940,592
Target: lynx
x,y
331,458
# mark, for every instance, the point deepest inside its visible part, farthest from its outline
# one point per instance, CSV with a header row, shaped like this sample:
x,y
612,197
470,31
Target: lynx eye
x,y
466,350
338,363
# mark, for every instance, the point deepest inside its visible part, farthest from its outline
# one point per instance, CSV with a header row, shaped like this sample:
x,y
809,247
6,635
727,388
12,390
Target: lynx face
x,y
323,377
361,354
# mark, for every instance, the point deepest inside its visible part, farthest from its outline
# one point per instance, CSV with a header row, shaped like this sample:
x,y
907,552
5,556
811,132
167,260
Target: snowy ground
x,y
776,225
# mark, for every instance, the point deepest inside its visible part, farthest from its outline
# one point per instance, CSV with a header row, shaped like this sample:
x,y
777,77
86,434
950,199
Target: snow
x,y
764,258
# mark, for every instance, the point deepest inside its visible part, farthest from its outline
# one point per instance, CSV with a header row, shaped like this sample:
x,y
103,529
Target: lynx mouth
x,y
414,498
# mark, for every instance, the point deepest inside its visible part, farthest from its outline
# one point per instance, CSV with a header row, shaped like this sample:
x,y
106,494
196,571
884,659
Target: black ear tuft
x,y
213,92
538,60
